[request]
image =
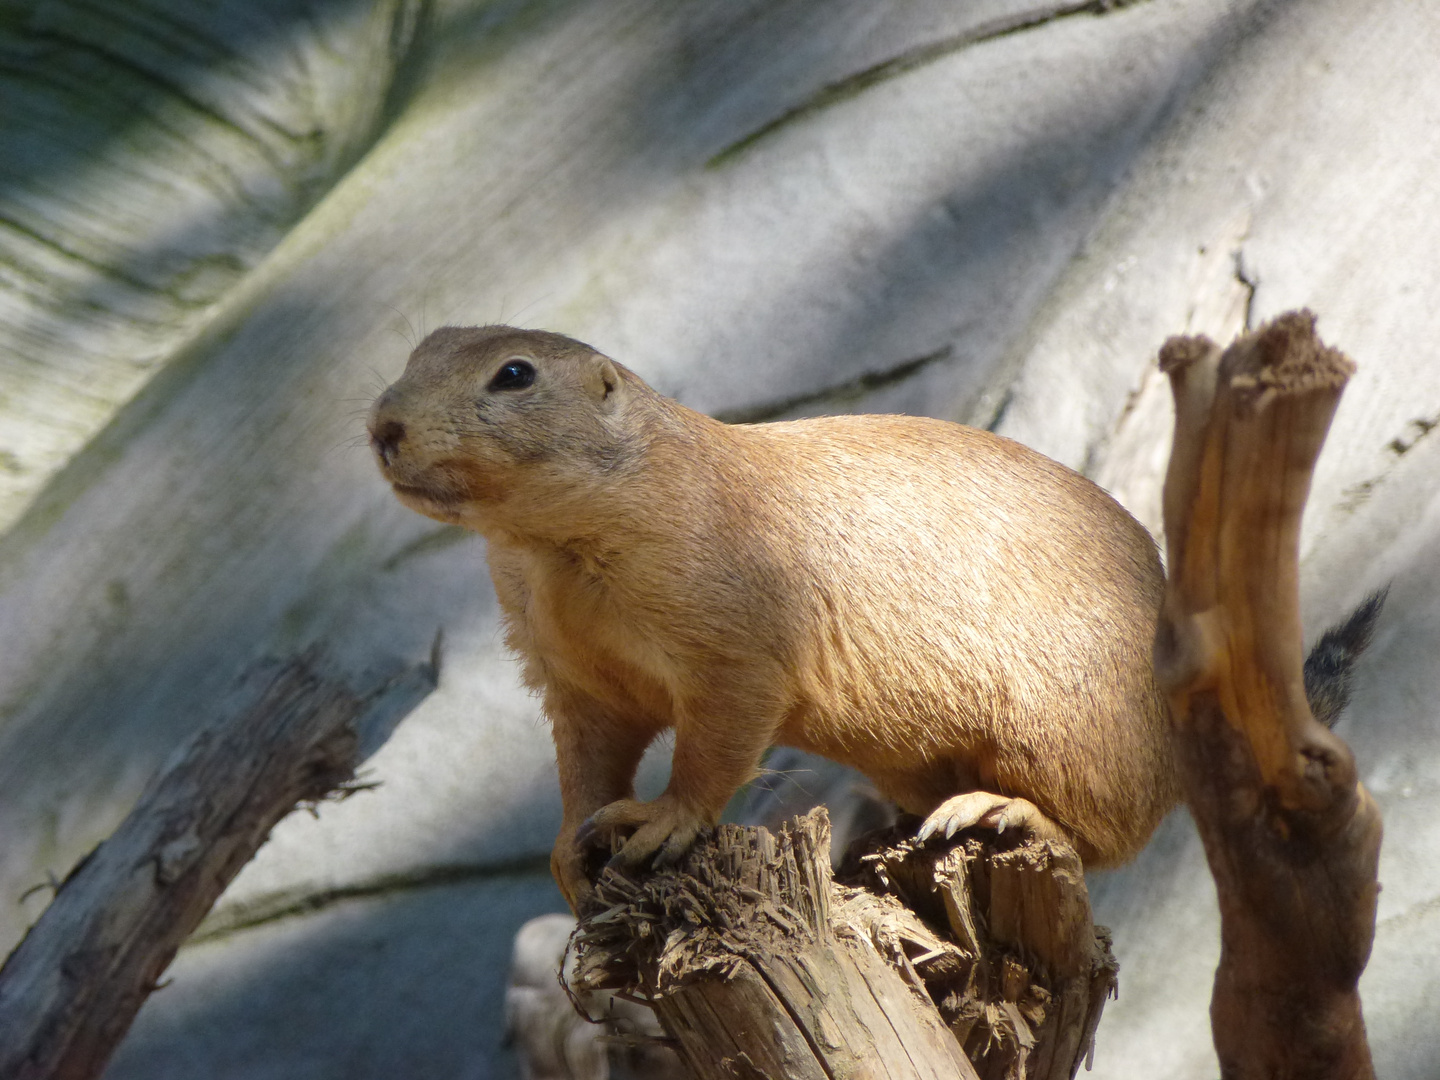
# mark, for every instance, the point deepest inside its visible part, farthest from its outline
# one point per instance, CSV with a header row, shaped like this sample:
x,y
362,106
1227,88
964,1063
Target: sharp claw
x,y
952,826
587,834
618,861
926,831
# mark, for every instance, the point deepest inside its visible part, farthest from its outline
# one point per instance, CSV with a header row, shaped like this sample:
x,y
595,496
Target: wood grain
x,y
1292,837
758,964
70,989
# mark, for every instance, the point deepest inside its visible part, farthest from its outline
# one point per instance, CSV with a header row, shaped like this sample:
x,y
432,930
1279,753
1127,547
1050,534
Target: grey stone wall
x,y
220,234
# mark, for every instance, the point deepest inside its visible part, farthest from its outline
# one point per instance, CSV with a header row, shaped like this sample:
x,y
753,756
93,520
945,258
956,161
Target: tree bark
x,y
931,962
1292,838
70,989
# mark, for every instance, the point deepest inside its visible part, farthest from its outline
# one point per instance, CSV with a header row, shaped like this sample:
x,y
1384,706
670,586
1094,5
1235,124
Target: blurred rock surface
x,y
222,228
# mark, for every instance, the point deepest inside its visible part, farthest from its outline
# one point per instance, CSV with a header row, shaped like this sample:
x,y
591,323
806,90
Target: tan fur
x,y
944,609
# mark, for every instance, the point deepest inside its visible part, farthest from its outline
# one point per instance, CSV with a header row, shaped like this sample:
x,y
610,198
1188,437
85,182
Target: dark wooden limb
x,y
1292,838
70,989
933,962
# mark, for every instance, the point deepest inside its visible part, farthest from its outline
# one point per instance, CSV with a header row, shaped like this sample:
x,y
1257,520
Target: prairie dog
x,y
960,618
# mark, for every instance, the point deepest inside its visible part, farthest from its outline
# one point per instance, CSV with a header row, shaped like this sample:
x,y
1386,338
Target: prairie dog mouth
x,y
426,494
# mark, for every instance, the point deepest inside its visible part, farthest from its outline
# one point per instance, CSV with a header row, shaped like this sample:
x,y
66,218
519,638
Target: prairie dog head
x,y
491,427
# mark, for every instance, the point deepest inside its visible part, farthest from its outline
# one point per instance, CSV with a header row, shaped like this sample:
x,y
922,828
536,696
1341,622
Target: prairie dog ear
x,y
601,379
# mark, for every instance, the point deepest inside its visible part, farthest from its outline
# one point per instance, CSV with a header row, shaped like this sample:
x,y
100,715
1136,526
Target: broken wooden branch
x,y
70,989
929,962
1292,838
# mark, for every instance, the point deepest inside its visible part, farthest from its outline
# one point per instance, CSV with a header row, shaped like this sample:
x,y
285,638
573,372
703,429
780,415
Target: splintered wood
x,y
1292,838
1024,974
929,962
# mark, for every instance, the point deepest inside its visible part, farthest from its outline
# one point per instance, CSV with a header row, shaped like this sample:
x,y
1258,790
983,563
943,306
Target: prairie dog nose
x,y
385,438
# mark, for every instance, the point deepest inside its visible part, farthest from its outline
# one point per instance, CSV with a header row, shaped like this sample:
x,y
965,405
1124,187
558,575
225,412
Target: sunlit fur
x,y
944,609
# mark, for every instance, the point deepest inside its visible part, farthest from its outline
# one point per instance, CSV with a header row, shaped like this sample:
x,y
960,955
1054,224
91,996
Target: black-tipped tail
x,y
1331,663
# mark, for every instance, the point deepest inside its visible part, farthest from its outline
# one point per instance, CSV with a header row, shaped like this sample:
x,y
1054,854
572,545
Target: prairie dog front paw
x,y
658,832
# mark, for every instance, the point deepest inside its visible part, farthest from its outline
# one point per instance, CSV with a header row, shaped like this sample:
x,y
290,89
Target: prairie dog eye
x,y
513,375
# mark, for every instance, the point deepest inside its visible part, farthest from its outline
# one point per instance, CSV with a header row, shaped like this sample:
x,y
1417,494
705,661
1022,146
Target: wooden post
x,y
1292,838
70,989
933,962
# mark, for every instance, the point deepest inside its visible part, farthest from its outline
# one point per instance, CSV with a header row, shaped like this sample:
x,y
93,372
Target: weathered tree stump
x,y
1292,838
929,962
70,989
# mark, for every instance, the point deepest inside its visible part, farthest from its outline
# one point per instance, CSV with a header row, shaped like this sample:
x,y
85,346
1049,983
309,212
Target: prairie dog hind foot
x,y
987,810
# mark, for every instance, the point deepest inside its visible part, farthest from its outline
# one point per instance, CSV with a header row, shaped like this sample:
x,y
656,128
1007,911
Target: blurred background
x,y
223,225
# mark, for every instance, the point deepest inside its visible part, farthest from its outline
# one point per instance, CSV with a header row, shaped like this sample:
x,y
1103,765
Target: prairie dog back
x,y
978,616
